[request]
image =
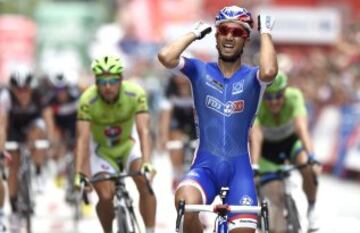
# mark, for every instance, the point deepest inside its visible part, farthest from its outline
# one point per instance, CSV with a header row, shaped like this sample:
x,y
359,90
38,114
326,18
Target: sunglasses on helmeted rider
x,y
224,30
273,96
108,80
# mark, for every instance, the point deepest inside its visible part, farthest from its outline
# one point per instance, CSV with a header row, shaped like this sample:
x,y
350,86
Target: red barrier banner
x,y
17,43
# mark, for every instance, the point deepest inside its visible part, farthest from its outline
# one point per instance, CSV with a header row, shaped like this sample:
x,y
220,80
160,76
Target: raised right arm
x,y
169,55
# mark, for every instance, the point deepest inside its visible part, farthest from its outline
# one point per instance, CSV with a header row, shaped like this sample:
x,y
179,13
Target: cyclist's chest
x,y
112,114
226,96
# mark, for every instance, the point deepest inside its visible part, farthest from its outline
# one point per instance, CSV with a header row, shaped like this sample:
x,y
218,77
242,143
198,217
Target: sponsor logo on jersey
x,y
193,174
131,94
214,84
112,131
237,87
226,109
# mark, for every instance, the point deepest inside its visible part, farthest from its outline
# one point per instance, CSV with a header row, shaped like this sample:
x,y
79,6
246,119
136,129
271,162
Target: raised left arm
x,y
268,60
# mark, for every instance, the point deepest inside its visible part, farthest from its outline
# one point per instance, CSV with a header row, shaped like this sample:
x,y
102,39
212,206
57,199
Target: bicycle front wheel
x,y
121,220
292,216
27,204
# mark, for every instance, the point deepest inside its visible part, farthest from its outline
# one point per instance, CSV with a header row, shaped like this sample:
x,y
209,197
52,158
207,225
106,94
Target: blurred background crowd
x,y
318,45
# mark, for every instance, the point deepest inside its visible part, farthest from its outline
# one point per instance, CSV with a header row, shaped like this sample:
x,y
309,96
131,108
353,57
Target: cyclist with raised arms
x,y
226,97
280,133
113,135
25,117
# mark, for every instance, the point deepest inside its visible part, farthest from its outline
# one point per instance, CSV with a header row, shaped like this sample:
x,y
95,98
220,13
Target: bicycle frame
x,y
291,214
25,201
222,211
123,203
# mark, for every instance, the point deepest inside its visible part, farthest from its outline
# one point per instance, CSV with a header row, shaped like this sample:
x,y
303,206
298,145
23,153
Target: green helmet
x,y
279,83
107,66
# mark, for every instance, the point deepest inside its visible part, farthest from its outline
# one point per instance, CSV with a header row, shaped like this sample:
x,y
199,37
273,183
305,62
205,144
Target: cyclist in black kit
x,y
177,121
26,118
63,102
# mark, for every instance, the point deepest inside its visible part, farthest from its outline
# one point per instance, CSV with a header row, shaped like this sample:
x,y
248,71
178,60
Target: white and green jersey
x,y
277,129
112,124
280,140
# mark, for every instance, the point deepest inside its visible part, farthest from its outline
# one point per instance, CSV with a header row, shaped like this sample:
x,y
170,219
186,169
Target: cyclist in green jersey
x,y
112,136
280,134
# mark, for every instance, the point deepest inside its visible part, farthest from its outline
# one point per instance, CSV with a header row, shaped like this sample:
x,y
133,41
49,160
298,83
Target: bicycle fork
x,y
123,201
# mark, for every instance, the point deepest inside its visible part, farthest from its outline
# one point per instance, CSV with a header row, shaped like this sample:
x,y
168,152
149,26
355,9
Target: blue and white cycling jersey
x,y
225,107
225,110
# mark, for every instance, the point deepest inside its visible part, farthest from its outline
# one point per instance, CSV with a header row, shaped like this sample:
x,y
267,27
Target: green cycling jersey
x,y
281,127
280,140
112,124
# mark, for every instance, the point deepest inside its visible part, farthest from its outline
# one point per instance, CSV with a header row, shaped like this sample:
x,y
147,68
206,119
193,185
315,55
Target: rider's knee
x,y
105,197
105,194
189,194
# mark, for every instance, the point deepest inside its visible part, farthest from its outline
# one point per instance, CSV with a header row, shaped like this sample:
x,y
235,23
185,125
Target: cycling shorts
x,y
183,120
19,133
209,173
99,164
280,151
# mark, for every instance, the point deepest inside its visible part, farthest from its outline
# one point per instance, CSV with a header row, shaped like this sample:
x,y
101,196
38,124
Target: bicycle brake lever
x,y
180,214
148,184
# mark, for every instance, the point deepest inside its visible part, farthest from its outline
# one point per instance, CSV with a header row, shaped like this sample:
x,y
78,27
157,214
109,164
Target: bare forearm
x,y
82,147
82,156
169,55
165,124
143,129
145,141
268,60
48,118
301,126
256,140
3,124
305,139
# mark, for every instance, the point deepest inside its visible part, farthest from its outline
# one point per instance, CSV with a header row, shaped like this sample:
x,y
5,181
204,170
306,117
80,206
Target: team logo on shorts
x,y
105,166
246,200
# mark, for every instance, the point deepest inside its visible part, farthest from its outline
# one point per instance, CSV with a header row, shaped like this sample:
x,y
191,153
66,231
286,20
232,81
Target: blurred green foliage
x,y
24,7
28,7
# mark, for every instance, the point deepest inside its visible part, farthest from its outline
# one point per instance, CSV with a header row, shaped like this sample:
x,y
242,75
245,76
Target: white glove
x,y
200,29
265,23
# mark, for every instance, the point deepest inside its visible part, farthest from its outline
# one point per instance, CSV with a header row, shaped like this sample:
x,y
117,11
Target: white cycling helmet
x,y
58,80
235,14
21,77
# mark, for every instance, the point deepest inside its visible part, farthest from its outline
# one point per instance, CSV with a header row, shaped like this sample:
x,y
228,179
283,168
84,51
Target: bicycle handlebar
x,y
220,208
283,172
180,144
38,144
115,177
